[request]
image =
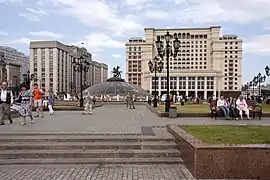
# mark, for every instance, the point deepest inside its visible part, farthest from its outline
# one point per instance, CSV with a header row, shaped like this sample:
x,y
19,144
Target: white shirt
x,y
221,103
4,96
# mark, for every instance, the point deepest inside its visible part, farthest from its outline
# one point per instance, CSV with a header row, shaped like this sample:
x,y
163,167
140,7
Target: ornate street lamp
x,y
260,79
254,81
267,71
246,87
155,67
168,50
81,65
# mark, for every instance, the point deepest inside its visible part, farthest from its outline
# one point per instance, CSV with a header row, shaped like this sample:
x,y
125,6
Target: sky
x,y
105,25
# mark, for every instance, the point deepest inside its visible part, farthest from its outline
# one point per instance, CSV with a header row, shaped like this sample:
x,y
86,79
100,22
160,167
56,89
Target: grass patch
x,y
188,108
265,107
230,134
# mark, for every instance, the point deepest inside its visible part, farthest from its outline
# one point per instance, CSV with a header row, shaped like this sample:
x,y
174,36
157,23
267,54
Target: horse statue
x,y
116,72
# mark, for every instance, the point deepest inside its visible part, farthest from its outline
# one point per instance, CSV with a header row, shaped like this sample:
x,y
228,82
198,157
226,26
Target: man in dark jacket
x,y
6,101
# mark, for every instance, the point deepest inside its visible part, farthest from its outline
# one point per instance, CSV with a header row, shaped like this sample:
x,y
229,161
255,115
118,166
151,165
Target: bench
x,y
254,109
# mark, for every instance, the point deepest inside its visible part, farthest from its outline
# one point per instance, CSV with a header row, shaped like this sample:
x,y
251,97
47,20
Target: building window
x,y
173,81
163,83
210,82
153,83
182,82
200,83
191,83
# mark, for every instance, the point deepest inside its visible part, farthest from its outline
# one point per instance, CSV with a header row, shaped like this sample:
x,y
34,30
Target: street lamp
x,y
81,65
254,81
155,66
267,71
246,87
168,50
260,79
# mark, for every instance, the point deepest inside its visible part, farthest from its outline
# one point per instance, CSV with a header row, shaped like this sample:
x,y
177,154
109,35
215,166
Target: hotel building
x,y
51,63
206,64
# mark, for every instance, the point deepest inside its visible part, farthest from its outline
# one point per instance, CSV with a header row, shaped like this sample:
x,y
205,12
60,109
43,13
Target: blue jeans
x,y
225,111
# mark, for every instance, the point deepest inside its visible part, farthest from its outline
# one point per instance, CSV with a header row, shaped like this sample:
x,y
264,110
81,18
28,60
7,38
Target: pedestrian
x,y
128,99
132,100
25,110
88,104
38,95
51,102
6,101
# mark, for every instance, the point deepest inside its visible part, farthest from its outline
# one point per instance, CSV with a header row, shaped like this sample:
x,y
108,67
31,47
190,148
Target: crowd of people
x,y
27,98
235,106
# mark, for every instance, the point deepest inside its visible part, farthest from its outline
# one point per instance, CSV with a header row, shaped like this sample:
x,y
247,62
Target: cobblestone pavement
x,y
80,172
114,119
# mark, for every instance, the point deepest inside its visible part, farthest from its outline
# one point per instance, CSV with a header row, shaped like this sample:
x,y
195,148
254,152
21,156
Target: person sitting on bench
x,y
223,106
242,106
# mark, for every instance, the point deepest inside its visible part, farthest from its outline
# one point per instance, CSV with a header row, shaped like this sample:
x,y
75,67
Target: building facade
x,y
51,63
15,57
134,49
207,63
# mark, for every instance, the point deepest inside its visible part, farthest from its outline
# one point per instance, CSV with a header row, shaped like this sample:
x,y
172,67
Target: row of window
x,y
186,36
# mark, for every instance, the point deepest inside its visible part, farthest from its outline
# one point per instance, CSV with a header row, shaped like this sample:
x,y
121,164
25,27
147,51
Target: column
x,y
196,86
151,84
177,84
159,86
219,86
215,87
186,86
205,88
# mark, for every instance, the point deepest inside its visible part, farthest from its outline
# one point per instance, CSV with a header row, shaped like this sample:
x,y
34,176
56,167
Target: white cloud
x,y
135,2
33,14
13,2
22,40
47,34
117,55
258,45
211,11
38,12
157,14
2,33
29,16
99,14
96,42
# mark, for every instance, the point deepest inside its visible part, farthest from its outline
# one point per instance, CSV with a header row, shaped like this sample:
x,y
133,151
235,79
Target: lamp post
x,y
168,50
267,71
246,87
155,67
254,84
258,80
81,65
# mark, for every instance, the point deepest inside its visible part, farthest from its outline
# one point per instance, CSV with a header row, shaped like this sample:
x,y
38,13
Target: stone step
x,y
81,138
86,145
96,161
121,153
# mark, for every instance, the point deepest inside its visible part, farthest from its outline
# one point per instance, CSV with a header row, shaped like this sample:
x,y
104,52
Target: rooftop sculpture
x,y
116,72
